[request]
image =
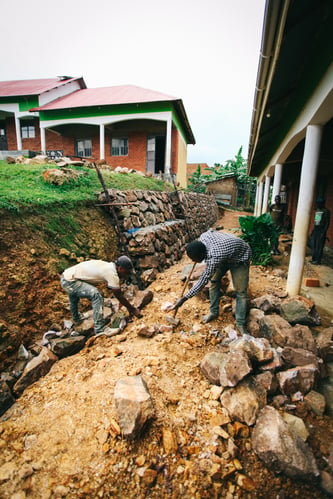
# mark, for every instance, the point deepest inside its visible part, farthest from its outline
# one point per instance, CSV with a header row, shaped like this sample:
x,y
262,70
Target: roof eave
x,y
273,25
180,107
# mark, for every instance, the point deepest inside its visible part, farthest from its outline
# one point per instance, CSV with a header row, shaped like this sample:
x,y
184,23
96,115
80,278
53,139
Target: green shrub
x,y
260,233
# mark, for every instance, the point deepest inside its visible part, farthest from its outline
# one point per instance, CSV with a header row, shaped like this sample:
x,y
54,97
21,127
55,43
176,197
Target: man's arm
x,y
327,219
121,298
203,279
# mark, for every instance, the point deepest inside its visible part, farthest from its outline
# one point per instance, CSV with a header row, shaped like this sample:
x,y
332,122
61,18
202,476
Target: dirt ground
x,y
61,438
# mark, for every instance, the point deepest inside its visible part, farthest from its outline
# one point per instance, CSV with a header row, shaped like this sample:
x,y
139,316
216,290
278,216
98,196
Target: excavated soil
x,y
61,437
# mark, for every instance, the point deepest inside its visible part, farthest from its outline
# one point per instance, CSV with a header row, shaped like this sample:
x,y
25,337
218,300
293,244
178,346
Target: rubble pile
x,y
60,342
43,159
257,381
186,410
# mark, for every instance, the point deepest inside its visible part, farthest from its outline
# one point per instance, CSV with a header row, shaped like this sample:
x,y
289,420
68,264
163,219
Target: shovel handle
x,y
185,285
188,278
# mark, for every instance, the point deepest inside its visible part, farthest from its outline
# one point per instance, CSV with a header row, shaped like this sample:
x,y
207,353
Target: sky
x,y
205,52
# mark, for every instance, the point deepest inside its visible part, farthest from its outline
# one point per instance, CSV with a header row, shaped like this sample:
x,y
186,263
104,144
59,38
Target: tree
x,y
197,181
238,166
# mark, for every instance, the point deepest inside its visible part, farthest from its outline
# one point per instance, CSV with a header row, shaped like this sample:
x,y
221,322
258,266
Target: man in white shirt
x,y
78,282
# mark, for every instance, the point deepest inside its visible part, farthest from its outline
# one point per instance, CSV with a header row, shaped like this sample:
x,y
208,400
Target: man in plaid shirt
x,y
222,252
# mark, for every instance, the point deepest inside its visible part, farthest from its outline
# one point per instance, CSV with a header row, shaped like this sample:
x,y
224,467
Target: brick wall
x,y
293,192
53,140
11,134
137,152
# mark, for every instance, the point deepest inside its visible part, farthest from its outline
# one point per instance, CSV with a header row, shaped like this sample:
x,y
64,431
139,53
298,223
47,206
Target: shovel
x,y
172,318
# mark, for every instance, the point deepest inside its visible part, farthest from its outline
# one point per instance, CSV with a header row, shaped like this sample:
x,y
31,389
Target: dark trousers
x,y
240,280
318,243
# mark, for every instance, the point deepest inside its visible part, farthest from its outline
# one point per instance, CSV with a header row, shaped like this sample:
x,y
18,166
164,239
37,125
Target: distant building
x,y
224,189
124,125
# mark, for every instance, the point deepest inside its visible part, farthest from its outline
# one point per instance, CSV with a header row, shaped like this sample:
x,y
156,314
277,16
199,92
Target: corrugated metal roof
x,y
31,87
123,94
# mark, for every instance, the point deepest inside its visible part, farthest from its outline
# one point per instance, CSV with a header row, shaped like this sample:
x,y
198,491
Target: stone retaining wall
x,y
157,225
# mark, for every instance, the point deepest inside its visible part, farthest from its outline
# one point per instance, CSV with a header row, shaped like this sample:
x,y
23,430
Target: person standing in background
x,y
277,211
322,218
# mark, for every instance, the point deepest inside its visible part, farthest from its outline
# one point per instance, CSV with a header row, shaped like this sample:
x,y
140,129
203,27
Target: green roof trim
x,y
113,110
28,103
178,125
25,103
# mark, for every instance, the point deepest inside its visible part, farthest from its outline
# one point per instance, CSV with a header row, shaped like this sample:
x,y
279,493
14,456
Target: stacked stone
x,y
200,210
158,246
157,225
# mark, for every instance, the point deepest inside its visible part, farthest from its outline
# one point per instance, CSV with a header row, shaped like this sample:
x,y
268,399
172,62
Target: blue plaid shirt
x,y
221,249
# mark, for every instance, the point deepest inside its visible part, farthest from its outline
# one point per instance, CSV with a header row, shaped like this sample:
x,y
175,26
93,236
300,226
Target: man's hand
x,y
136,312
178,303
132,310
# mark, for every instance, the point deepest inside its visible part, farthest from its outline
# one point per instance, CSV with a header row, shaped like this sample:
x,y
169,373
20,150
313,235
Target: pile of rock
x,y
43,159
59,342
262,378
259,379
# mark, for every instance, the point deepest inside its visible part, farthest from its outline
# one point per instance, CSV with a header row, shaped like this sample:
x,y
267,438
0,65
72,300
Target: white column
x,y
304,206
266,194
42,140
167,168
260,193
256,201
277,181
101,141
18,133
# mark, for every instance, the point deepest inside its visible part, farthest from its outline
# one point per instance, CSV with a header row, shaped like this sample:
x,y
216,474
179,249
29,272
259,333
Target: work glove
x,y
178,303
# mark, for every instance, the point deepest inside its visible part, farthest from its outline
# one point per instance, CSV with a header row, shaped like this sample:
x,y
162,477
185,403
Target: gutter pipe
x,y
273,25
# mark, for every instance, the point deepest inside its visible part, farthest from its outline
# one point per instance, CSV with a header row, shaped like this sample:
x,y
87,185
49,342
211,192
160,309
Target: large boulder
x,y
280,448
133,405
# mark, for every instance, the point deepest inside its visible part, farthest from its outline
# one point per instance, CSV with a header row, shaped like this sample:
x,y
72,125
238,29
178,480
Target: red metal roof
x,y
32,87
123,94
88,97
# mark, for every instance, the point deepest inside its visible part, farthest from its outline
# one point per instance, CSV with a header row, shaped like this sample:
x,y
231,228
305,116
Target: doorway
x,y
156,154
3,137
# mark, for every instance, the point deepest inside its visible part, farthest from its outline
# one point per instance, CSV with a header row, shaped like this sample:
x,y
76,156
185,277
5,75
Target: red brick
x,y
312,282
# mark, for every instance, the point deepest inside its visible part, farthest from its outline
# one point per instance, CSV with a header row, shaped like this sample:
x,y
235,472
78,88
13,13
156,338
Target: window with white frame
x,y
83,147
119,147
28,130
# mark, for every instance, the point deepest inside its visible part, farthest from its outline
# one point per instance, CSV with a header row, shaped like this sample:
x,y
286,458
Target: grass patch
x,y
22,186
61,229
